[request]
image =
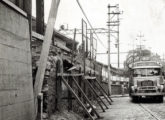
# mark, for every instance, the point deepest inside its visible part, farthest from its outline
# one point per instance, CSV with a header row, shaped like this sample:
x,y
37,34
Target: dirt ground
x,y
65,116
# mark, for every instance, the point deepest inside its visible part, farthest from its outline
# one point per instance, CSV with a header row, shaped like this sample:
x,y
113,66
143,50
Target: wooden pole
x,y
80,83
96,94
73,45
70,82
45,48
94,91
102,93
40,16
103,90
27,7
84,54
40,106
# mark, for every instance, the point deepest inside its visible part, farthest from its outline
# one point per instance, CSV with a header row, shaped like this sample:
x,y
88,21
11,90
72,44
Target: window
x,y
142,72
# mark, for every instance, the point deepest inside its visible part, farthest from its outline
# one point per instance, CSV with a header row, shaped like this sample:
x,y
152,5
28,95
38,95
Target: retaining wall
x,y
16,90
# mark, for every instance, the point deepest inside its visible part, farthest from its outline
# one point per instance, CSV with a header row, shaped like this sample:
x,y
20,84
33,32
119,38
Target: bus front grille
x,y
147,83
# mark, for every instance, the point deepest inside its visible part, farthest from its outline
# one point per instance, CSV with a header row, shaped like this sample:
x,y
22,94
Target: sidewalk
x,y
114,96
123,109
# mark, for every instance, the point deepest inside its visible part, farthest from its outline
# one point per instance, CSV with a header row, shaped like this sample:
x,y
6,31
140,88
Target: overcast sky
x,y
145,16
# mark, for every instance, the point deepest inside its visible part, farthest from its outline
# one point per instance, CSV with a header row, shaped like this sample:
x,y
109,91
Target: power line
x,y
89,22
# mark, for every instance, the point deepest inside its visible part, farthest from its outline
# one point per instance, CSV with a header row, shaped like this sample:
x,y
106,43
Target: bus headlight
x,y
160,88
134,88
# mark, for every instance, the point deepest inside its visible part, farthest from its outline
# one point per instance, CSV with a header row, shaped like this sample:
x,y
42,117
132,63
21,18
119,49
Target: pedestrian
x,y
122,89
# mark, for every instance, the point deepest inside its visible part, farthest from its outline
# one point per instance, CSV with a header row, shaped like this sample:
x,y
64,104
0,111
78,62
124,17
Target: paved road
x,y
124,109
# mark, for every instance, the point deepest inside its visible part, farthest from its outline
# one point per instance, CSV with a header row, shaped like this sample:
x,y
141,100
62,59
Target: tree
x,y
137,55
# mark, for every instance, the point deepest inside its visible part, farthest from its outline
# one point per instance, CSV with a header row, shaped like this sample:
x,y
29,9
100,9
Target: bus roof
x,y
146,67
146,64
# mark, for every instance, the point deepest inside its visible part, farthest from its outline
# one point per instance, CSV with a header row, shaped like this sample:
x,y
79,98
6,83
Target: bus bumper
x,y
147,94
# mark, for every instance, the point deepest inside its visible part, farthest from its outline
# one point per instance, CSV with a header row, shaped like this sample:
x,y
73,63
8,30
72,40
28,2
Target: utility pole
x,y
140,44
109,68
40,17
118,44
113,22
163,58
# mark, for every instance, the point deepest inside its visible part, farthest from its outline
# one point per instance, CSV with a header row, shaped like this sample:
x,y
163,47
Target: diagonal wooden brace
x,y
103,94
68,86
103,90
94,91
45,49
85,97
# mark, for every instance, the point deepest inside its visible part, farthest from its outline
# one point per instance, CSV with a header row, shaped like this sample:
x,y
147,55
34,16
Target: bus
x,y
146,80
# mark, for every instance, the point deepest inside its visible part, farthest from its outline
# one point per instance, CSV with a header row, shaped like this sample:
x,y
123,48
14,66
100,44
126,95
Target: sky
x,y
139,16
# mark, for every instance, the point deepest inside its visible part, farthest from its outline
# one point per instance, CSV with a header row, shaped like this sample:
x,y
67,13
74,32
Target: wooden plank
x,y
68,86
70,82
96,97
79,82
89,77
37,35
85,97
102,93
73,45
103,90
64,74
45,48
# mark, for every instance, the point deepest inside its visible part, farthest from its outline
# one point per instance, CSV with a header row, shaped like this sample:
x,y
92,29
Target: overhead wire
x,y
89,23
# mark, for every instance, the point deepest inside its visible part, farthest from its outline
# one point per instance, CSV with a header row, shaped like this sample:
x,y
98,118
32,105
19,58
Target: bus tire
x,y
135,99
160,98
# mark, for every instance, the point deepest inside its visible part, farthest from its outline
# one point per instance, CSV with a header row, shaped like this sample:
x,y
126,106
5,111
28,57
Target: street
x,y
124,109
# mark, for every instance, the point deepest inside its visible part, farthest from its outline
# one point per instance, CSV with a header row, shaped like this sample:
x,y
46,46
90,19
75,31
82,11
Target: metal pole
x,y
109,69
40,106
118,44
83,43
133,52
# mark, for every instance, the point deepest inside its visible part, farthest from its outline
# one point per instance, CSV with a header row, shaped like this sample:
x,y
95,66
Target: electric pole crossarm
x,y
79,31
114,13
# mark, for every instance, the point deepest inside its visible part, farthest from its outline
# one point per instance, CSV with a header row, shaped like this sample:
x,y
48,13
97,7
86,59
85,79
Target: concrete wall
x,y
16,92
115,89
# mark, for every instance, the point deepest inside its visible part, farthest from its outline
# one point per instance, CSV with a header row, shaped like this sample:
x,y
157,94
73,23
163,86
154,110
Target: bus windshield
x,y
143,72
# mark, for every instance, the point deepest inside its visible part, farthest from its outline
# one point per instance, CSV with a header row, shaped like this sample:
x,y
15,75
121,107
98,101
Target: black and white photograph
x,y
82,59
